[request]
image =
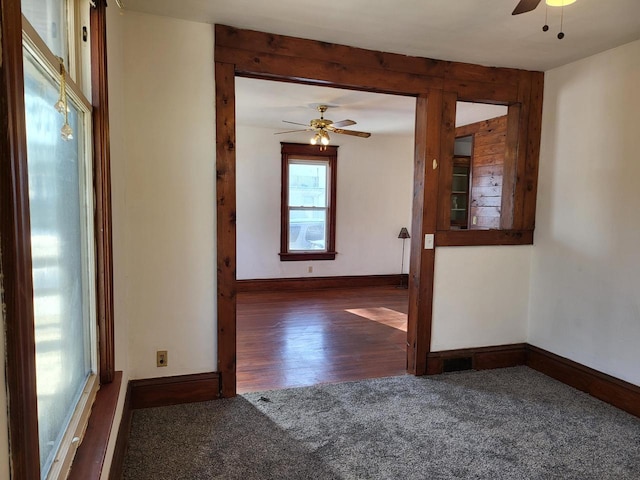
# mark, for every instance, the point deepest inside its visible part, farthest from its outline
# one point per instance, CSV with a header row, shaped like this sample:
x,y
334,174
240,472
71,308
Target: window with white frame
x,y
58,125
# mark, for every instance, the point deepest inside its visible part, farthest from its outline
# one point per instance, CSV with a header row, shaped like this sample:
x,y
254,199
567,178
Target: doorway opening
x,y
318,321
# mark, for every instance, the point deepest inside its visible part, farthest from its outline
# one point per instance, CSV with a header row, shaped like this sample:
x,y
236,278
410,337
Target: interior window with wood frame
x,y
61,213
479,154
308,214
484,193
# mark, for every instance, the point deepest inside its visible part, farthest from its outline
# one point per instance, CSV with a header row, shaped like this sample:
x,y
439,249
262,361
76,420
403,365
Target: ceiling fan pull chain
x,y
561,34
546,21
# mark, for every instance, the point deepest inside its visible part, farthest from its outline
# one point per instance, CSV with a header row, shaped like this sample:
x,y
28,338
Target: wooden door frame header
x,y
437,85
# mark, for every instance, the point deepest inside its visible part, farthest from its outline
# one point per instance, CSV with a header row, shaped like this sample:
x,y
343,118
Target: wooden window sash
x,y
299,153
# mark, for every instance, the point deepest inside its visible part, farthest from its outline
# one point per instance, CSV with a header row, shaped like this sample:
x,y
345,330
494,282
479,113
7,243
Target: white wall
x,y
164,205
480,296
374,195
585,287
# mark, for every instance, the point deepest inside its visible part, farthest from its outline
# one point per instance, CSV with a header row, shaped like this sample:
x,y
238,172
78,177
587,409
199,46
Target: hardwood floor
x,y
288,339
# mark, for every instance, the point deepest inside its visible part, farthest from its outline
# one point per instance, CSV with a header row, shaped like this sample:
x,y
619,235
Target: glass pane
x,y
460,183
307,230
481,133
48,17
63,353
308,184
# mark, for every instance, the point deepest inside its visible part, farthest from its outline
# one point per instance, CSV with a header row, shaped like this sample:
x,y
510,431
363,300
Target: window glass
x,y
307,229
308,184
49,19
308,202
60,253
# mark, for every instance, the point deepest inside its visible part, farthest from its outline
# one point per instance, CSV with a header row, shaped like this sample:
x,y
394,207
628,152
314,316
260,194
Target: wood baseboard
x,y
317,283
158,392
611,390
481,358
122,440
614,391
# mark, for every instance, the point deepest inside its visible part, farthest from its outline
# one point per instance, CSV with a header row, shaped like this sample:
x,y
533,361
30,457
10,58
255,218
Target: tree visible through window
x,y
308,202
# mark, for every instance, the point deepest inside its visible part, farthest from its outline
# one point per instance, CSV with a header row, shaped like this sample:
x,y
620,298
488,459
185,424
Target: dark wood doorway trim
x,y
276,57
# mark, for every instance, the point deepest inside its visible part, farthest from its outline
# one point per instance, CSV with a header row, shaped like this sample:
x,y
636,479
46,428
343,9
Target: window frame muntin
x,y
299,151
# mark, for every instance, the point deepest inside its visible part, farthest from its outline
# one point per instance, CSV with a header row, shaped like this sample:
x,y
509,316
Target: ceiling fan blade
x,y
525,6
296,123
354,133
293,131
343,123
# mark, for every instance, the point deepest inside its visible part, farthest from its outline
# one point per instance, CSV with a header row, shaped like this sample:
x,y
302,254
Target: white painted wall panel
x,y
164,214
585,286
480,296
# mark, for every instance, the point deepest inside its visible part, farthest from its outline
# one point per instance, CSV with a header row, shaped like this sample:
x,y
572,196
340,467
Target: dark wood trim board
x,y
158,392
614,391
15,239
482,358
102,187
317,283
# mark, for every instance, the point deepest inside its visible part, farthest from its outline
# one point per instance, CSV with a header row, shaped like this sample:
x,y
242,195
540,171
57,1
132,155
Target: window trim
x,y
15,241
299,151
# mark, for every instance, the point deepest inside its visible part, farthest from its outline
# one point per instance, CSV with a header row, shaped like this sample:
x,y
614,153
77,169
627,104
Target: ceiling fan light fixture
x,y
314,139
324,138
559,3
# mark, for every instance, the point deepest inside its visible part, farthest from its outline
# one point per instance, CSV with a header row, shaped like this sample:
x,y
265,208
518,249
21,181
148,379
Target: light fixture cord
x,y
546,14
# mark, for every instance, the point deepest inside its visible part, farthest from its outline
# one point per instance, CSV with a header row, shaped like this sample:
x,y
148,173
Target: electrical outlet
x,y
162,358
310,269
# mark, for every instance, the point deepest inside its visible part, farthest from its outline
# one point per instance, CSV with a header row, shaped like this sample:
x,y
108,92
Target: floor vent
x,y
457,364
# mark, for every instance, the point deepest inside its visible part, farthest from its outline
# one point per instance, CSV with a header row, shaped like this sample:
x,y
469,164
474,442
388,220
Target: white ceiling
x,y
265,103
475,31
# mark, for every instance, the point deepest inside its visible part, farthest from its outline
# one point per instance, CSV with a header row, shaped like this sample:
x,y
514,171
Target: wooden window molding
x,y
296,151
16,253
520,168
102,186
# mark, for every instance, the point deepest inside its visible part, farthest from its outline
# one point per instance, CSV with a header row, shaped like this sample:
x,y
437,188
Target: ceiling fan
x,y
322,126
525,6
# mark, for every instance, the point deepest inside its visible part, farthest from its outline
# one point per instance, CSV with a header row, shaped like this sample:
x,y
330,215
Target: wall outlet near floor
x,y
162,358
310,269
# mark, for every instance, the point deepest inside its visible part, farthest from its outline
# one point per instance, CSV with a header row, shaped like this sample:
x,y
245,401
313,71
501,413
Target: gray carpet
x,y
512,423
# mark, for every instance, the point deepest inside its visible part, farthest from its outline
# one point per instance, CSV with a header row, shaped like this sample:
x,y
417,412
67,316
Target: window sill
x,y
454,238
304,256
90,456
